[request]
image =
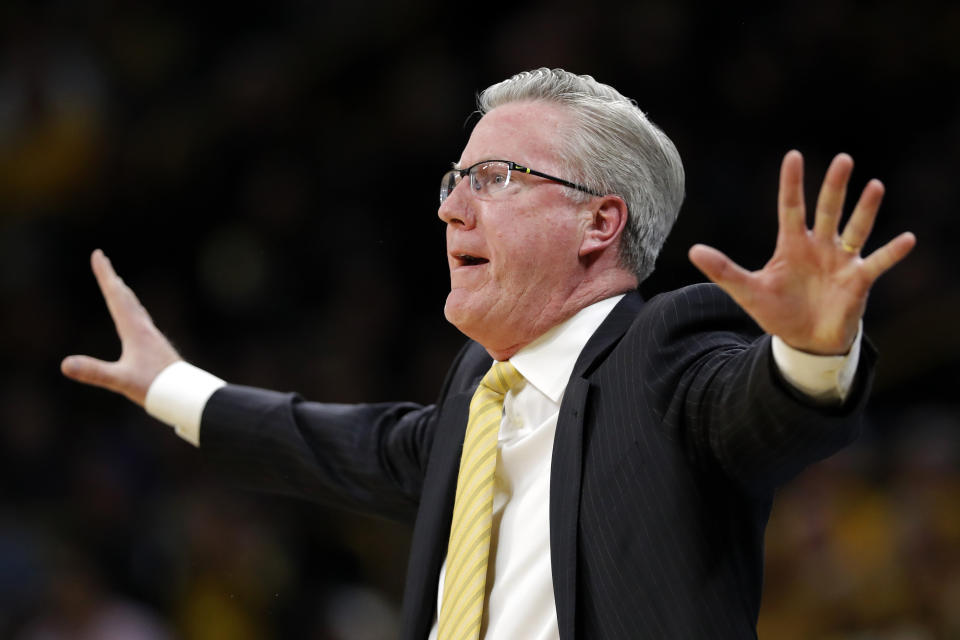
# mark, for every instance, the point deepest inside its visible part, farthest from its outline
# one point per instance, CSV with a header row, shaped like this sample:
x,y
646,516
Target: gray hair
x,y
612,148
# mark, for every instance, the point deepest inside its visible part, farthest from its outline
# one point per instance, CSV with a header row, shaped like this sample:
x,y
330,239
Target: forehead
x,y
525,132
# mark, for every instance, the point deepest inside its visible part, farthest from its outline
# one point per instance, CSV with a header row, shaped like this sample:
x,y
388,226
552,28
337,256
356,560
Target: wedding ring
x,y
849,248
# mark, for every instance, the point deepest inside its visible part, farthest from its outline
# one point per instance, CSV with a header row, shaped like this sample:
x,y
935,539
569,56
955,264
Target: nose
x,y
457,209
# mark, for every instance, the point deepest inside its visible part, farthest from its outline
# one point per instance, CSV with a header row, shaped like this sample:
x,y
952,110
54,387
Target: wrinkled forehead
x,y
530,133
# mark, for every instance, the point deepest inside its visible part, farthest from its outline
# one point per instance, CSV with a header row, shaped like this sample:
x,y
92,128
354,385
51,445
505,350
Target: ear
x,y
608,219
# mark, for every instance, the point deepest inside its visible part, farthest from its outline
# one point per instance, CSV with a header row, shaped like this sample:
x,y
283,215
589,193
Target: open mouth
x,y
470,261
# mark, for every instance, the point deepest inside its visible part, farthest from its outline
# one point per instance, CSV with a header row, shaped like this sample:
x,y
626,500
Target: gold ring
x,y
849,248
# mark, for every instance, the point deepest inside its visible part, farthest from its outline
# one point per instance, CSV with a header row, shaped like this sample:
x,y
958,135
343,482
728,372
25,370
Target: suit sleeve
x,y
727,400
368,457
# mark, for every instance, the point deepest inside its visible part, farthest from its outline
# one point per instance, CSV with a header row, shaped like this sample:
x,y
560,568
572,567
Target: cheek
x,y
533,249
523,273
516,257
541,253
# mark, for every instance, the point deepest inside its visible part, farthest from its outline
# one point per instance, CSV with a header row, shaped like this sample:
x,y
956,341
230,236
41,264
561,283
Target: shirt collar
x,y
548,361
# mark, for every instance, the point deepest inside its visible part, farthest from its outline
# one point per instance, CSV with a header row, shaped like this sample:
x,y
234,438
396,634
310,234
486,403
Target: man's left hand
x,y
813,291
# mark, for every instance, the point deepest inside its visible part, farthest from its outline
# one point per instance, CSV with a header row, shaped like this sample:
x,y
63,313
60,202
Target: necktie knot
x,y
502,377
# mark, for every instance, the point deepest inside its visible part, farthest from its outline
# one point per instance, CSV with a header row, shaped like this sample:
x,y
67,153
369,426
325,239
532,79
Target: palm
x,y
813,291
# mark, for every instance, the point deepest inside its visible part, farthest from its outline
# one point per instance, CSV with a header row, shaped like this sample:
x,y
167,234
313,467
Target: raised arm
x,y
145,351
813,291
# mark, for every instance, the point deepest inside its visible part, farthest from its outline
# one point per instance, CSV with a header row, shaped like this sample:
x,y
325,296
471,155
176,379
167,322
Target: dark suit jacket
x,y
674,430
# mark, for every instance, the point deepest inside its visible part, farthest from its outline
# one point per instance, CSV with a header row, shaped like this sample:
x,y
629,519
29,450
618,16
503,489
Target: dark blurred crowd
x,y
265,179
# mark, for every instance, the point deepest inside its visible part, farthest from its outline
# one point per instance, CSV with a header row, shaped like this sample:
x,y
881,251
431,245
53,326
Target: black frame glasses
x,y
453,177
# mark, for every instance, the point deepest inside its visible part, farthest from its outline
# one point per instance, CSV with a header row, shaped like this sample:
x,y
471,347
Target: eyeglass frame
x,y
511,166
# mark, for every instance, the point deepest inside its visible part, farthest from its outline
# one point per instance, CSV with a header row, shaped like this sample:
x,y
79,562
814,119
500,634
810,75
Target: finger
x,y
884,258
121,301
726,273
833,192
90,371
860,224
791,209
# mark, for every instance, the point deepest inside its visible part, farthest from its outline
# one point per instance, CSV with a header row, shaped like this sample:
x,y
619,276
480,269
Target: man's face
x,y
514,260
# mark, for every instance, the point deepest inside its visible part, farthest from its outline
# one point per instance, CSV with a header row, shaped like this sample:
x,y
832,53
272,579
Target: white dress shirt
x,y
520,539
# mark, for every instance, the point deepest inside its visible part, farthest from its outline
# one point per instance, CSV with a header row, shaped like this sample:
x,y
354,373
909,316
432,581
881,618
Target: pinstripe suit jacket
x,y
674,431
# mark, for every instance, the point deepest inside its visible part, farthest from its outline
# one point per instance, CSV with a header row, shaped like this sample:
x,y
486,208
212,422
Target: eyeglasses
x,y
490,178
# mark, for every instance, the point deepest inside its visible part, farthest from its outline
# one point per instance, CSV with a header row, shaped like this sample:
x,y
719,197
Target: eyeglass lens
x,y
485,179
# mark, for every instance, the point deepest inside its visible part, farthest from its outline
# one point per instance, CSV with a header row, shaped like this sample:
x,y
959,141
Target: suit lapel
x,y
566,466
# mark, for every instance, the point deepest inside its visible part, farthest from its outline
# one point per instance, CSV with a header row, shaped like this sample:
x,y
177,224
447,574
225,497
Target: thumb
x,y
87,370
731,277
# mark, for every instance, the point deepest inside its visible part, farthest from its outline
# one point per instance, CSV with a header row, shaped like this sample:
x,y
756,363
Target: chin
x,y
456,310
466,313
473,319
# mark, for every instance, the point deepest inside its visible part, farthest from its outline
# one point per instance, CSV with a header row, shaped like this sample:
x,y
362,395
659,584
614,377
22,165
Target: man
x,y
633,462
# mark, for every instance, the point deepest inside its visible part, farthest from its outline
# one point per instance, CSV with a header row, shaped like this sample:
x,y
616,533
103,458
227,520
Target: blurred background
x,y
260,176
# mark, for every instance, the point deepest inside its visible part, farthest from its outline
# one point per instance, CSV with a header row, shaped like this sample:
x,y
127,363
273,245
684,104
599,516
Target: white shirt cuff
x,y
823,378
177,397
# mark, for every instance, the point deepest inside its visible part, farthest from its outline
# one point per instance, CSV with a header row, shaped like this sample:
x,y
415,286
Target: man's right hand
x,y
145,351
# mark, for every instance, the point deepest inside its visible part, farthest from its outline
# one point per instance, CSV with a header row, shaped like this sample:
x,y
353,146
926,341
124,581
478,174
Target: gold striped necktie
x,y
461,612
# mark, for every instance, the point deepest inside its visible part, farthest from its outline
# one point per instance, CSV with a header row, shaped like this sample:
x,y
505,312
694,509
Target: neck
x,y
561,308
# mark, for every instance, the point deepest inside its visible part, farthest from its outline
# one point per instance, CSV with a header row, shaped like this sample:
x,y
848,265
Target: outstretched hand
x,y
145,351
813,291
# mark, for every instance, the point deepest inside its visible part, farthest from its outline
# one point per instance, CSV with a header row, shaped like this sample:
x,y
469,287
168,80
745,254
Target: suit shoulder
x,y
692,303
704,295
692,310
